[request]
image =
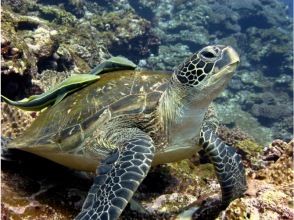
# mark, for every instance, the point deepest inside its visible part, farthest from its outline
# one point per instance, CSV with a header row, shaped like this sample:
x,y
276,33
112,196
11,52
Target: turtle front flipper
x,y
227,163
119,176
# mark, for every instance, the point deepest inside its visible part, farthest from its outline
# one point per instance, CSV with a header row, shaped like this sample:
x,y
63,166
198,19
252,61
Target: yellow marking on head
x,y
68,111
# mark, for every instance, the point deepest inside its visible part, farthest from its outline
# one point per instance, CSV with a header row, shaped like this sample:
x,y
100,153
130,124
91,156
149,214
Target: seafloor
x,y
42,42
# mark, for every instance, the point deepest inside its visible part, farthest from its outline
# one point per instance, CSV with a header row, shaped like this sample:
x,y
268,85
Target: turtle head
x,y
208,71
193,86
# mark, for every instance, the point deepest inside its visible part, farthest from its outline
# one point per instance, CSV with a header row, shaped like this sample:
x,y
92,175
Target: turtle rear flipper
x,y
227,163
119,176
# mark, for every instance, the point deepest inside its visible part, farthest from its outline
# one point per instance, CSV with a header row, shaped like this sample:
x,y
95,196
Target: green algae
x,y
194,179
57,15
15,39
250,147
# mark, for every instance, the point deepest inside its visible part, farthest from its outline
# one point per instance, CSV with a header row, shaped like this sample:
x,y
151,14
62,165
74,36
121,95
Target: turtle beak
x,y
231,56
228,63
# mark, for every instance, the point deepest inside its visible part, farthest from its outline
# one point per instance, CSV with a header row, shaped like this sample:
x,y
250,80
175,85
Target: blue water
x,y
161,34
289,3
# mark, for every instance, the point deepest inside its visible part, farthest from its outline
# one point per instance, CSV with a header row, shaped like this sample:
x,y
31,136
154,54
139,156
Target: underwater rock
x,y
26,42
249,150
42,43
167,56
281,171
16,58
232,136
230,113
15,206
56,15
159,33
50,78
15,121
169,191
270,111
35,192
270,189
274,151
121,31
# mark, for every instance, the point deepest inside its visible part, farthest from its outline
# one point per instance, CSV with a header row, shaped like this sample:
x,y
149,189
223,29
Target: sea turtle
x,y
130,120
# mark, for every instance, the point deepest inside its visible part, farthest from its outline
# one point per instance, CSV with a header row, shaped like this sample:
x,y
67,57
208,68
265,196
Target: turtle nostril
x,y
217,50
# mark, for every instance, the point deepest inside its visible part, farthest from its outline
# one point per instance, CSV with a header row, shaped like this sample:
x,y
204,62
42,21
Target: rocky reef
x,y
170,191
270,189
43,42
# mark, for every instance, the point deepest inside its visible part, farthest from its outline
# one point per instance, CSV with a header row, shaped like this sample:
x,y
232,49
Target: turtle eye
x,y
207,54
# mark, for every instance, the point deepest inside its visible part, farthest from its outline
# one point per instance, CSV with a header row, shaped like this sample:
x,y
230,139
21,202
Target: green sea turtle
x,y
128,121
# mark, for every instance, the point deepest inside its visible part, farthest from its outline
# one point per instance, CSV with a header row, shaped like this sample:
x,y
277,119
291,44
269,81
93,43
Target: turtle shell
x,y
62,128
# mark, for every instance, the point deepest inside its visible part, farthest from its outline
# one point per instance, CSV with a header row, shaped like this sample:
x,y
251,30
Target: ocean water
x,y
159,35
289,4
44,41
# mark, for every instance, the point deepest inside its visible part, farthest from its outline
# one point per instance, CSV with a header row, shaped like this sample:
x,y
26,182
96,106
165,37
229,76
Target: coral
x,y
167,56
275,55
274,151
271,108
250,151
57,15
230,113
16,56
270,190
14,121
49,79
43,42
169,189
193,179
25,41
280,172
37,193
170,203
19,6
249,146
270,111
232,136
118,25
270,204
269,193
246,146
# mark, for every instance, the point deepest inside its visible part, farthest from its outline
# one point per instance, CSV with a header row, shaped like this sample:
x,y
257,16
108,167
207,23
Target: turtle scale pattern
x,y
128,121
65,126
